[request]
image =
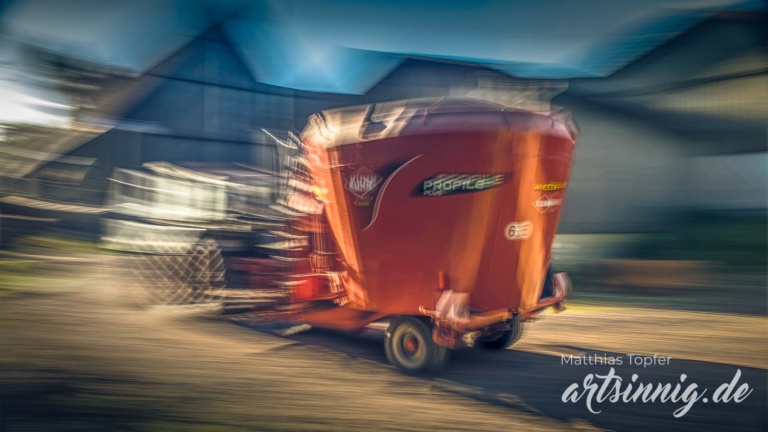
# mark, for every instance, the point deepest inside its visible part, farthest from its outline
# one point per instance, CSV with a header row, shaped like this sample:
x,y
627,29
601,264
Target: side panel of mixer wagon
x,y
398,227
406,236
518,249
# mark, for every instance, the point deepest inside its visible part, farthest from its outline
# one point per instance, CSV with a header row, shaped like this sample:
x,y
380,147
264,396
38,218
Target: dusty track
x,y
87,357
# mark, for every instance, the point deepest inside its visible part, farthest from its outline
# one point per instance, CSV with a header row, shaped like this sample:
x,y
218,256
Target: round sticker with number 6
x,y
518,230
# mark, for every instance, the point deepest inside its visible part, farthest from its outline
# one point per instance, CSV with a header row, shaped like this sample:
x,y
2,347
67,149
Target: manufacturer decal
x,y
361,183
447,184
518,230
549,187
545,203
364,201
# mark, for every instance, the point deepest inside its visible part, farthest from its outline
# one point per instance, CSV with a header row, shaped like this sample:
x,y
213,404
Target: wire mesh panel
x,y
173,264
197,276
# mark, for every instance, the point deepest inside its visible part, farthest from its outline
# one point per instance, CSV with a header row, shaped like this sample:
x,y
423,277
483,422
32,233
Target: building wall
x,y
729,182
628,176
203,105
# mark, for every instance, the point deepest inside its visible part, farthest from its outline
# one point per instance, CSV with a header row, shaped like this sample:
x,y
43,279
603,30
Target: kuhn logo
x,y
545,203
362,182
446,184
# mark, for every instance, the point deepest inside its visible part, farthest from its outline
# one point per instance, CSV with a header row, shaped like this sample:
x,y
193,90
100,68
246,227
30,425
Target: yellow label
x,y
551,186
363,202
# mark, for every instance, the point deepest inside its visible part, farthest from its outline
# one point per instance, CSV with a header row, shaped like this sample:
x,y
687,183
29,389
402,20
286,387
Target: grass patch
x,y
56,244
32,277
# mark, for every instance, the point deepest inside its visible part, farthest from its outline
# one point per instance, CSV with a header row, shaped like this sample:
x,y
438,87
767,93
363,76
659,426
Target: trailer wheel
x,y
502,339
409,346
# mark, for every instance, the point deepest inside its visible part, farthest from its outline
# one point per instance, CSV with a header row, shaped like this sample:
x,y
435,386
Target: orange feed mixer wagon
x,y
441,215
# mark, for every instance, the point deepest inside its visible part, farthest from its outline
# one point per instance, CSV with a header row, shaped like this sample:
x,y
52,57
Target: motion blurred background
x,y
667,202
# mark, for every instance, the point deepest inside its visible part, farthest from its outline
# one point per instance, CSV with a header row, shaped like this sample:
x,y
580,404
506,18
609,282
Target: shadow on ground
x,y
534,383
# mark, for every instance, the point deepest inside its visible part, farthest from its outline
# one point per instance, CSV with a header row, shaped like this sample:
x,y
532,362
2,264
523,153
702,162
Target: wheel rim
x,y
410,348
411,344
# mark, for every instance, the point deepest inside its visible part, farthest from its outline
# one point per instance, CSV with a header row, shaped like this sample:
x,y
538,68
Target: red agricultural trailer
x,y
438,215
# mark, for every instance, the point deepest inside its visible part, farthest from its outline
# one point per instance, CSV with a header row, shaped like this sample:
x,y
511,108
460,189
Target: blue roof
x,y
347,46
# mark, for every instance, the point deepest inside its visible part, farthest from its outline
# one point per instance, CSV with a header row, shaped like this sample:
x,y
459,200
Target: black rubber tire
x,y
503,339
428,357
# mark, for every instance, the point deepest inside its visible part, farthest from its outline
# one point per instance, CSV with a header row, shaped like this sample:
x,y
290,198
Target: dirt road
x,y
84,356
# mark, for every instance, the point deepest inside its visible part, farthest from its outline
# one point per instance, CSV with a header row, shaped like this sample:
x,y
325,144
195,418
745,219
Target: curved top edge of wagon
x,y
360,123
